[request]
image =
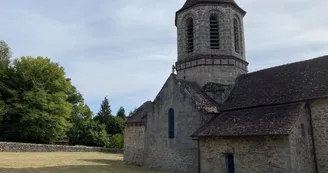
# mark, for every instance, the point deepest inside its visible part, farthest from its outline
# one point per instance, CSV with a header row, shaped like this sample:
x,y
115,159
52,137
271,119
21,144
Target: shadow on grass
x,y
105,161
64,169
107,166
110,162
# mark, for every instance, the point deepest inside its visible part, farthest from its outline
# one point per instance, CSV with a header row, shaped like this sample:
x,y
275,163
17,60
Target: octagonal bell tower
x,y
211,44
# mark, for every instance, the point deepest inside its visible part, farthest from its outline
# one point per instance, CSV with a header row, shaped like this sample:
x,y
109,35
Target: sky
x,y
125,49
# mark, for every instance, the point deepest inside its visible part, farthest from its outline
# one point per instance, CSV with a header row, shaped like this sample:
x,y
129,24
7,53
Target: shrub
x,y
116,141
100,136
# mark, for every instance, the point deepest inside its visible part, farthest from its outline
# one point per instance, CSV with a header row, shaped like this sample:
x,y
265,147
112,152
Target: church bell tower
x,y
211,44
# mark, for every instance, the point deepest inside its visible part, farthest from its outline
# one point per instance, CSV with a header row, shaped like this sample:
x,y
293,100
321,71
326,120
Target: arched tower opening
x,y
210,42
237,35
214,32
190,35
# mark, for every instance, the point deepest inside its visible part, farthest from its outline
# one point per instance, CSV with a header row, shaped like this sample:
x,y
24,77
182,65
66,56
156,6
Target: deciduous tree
x,y
5,52
36,96
5,55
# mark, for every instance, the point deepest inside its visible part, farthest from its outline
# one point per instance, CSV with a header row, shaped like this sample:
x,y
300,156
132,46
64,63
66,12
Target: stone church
x,y
212,116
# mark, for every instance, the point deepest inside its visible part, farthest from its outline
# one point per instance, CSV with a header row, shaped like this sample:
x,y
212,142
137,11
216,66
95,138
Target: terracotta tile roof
x,y
270,120
283,84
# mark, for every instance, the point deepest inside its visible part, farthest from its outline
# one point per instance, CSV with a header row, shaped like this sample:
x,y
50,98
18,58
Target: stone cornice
x,y
135,124
208,2
211,60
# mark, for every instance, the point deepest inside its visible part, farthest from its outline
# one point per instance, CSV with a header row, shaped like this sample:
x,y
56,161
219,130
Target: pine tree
x,y
121,113
105,112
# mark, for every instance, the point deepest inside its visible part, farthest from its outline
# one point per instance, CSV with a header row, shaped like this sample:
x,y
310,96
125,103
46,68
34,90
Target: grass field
x,y
66,163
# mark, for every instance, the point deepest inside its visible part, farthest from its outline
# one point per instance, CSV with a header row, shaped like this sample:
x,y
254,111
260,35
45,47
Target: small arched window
x,y
214,32
171,123
190,35
236,29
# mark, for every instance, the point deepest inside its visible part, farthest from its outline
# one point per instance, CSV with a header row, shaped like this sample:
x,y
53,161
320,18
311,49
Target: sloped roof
x,y
140,114
202,101
190,3
283,84
211,86
270,120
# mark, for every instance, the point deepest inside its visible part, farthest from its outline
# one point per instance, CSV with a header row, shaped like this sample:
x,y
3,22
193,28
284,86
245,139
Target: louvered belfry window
x,y
236,35
214,32
190,35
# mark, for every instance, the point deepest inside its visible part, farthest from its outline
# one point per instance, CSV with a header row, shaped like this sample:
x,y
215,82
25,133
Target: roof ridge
x,y
140,108
264,106
272,120
203,92
172,75
288,83
216,83
194,85
287,64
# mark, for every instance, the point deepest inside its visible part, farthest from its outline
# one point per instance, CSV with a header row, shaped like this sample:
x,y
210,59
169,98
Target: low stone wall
x,y
26,147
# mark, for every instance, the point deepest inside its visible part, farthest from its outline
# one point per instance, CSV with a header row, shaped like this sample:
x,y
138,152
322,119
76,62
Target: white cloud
x,y
125,49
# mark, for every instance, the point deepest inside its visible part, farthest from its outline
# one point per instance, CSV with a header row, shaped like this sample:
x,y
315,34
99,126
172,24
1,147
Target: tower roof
x,y
190,3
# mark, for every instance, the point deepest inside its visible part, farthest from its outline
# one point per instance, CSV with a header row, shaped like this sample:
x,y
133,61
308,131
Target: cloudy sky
x,y
124,49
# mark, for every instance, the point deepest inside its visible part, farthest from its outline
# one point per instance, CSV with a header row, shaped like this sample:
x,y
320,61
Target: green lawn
x,y
66,163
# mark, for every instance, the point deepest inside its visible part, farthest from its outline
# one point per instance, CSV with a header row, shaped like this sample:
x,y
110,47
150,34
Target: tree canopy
x,y
35,94
105,112
85,130
113,124
5,52
38,104
121,113
5,55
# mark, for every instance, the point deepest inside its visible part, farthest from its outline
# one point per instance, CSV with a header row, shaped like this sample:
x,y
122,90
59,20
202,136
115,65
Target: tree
x,y
2,109
99,135
121,113
81,123
115,125
116,141
38,103
105,112
5,55
85,130
81,115
2,112
36,97
74,96
5,52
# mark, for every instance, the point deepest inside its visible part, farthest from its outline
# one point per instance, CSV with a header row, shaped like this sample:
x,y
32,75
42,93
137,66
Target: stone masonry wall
x,y
301,146
319,110
179,154
201,15
26,147
251,154
213,68
218,74
134,137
